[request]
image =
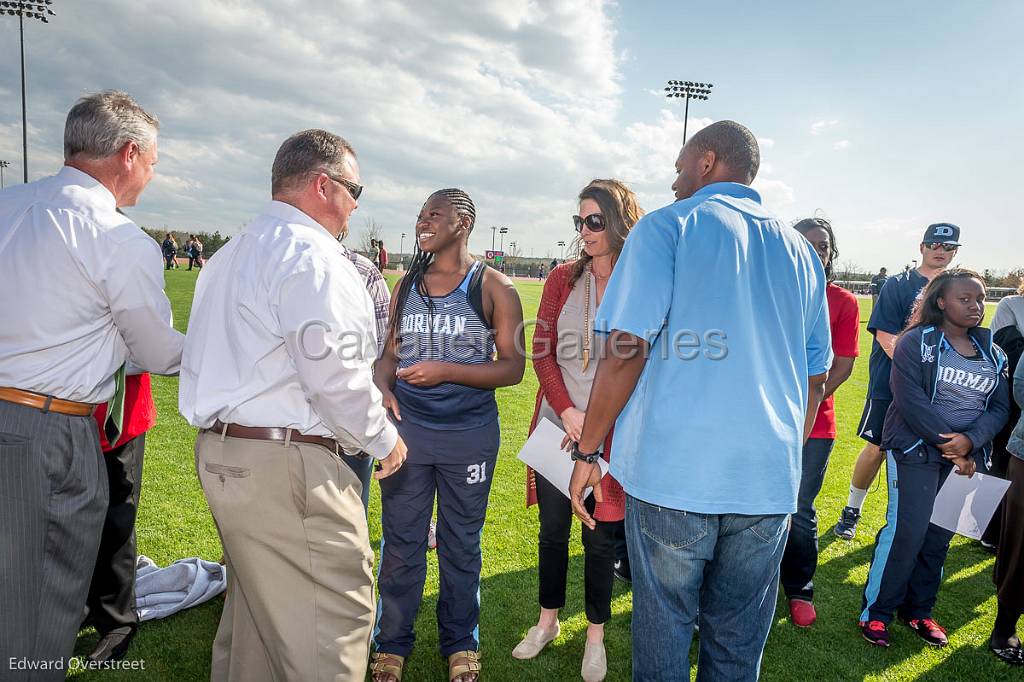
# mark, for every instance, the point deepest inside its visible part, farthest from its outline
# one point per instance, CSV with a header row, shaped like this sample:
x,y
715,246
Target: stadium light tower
x,y
3,164
502,231
687,90
25,10
562,245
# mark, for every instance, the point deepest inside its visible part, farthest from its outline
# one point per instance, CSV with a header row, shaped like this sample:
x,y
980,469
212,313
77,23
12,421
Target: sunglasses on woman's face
x,y
594,222
945,247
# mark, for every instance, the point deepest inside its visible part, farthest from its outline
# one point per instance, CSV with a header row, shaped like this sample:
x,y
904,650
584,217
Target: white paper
x,y
544,454
966,505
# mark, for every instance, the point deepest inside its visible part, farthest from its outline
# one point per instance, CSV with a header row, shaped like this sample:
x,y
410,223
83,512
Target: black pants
x,y
111,602
598,555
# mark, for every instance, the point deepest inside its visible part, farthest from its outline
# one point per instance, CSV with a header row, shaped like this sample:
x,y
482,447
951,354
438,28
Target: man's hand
x,y
392,462
965,466
427,373
572,420
585,476
958,445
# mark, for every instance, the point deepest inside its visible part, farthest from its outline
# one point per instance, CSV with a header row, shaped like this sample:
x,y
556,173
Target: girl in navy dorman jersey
x,y
456,335
950,398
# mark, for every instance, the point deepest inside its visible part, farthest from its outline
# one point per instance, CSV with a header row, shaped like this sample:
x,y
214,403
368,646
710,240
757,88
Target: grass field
x,y
174,522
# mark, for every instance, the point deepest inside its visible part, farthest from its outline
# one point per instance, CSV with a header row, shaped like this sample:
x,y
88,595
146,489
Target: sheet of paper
x,y
544,454
966,505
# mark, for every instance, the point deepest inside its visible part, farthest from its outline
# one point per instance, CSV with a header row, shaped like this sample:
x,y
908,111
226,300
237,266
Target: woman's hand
x,y
958,445
572,420
424,374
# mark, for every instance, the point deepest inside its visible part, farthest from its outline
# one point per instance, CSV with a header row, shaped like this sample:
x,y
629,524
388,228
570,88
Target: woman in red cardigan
x,y
566,354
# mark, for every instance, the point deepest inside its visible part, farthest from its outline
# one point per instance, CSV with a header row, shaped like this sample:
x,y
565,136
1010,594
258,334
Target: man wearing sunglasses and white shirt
x,y
888,318
277,374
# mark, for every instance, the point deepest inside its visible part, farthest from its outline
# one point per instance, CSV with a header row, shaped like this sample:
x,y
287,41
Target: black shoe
x,y
1008,650
112,646
846,528
622,572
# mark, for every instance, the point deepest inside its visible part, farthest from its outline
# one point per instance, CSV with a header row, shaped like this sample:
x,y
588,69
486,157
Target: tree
x,y
371,230
847,270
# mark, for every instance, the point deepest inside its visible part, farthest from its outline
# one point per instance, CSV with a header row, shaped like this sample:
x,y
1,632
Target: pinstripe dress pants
x,y
53,497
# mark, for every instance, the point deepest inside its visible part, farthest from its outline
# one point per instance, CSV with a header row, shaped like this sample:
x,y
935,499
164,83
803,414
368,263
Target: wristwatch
x,y
578,456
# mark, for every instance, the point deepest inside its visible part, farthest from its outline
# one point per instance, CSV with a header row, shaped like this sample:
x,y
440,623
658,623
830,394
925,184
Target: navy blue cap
x,y
942,233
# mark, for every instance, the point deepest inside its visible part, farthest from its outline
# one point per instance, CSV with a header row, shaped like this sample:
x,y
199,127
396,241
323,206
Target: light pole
x,y
25,10
562,244
3,164
502,231
512,249
493,230
401,247
687,90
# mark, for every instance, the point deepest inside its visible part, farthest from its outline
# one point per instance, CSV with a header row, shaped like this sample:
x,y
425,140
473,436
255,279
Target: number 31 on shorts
x,y
477,473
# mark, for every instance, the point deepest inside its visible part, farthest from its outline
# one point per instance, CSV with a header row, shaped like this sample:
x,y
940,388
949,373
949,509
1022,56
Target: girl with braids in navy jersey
x,y
950,398
438,374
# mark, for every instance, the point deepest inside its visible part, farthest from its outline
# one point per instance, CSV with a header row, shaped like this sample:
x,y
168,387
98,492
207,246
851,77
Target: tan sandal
x,y
387,664
470,663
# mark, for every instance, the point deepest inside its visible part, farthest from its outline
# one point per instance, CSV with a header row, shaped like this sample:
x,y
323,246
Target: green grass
x,y
174,522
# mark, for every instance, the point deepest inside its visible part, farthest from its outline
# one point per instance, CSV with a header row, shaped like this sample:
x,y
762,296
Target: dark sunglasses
x,y
353,189
594,222
935,246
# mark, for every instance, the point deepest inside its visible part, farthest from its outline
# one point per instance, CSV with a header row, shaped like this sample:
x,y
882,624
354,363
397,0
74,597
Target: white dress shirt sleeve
x,y
327,325
133,284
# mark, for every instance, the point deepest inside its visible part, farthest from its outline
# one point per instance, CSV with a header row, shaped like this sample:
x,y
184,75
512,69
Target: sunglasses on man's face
x,y
353,189
594,222
945,247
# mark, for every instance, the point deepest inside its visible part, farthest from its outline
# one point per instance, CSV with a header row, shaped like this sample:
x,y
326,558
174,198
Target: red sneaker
x,y
928,630
876,632
802,613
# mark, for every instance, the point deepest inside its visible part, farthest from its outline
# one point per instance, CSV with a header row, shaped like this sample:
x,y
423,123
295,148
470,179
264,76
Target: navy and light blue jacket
x,y
912,425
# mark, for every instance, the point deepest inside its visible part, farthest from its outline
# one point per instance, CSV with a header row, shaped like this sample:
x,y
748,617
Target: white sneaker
x,y
432,537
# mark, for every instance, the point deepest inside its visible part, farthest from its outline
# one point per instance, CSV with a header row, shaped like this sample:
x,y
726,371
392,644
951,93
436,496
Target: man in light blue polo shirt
x,y
717,357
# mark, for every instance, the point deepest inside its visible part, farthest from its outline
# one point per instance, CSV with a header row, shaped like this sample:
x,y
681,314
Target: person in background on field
x,y
169,247
1008,333
277,374
374,253
607,211
64,345
197,251
693,309
877,282
377,288
438,374
895,304
382,256
110,607
800,560
949,399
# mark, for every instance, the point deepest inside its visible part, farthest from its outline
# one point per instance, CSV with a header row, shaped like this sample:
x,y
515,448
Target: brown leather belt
x,y
46,403
274,433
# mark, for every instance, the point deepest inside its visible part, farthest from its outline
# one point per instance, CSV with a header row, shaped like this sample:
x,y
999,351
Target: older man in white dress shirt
x,y
277,374
81,290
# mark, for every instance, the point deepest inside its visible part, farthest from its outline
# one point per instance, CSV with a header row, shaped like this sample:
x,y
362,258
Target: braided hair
x,y
421,260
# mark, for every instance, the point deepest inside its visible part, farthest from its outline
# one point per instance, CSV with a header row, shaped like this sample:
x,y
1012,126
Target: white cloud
x,y
841,144
819,127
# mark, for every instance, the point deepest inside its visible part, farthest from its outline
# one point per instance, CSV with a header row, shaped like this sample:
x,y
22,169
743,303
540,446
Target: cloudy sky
x,y
882,116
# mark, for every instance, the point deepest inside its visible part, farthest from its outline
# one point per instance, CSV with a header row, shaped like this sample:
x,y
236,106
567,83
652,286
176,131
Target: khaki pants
x,y
299,601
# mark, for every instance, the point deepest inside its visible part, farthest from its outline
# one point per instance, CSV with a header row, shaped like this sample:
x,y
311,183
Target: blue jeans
x,y
363,468
724,567
800,559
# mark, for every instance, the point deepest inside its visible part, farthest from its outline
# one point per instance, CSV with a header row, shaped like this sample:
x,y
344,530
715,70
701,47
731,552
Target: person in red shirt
x,y
111,603
801,556
382,256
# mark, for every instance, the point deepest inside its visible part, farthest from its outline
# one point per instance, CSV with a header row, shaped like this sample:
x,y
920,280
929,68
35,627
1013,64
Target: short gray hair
x,y
100,124
734,146
309,151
